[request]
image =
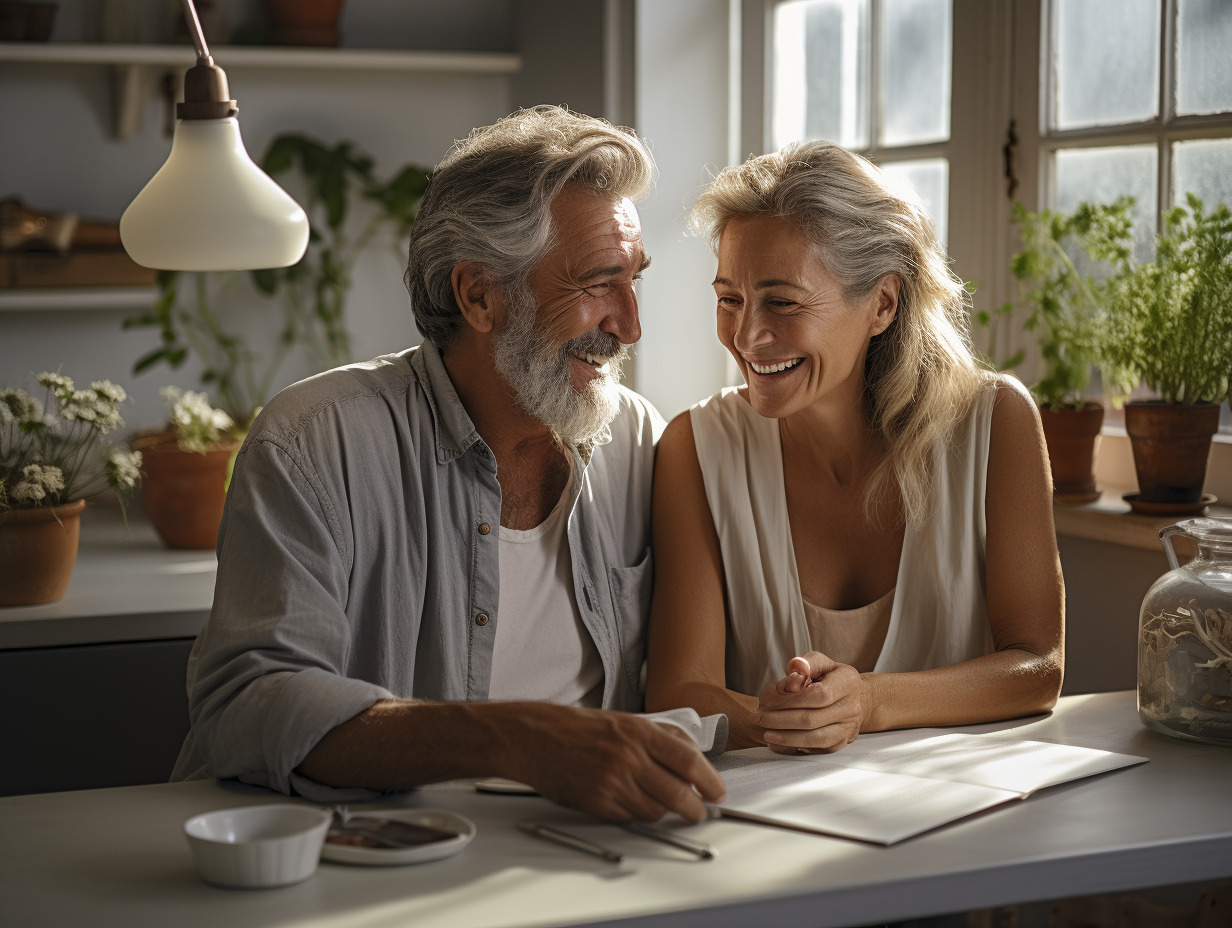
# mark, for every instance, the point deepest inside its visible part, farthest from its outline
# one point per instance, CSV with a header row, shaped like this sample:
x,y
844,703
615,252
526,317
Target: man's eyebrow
x,y
760,285
610,270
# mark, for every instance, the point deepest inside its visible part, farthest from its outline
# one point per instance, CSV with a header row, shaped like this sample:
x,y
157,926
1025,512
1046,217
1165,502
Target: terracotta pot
x,y
183,491
304,22
38,550
1171,444
1071,435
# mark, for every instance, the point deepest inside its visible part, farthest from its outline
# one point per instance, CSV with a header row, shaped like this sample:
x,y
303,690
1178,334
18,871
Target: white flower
x,y
107,390
197,424
23,407
123,468
37,481
57,383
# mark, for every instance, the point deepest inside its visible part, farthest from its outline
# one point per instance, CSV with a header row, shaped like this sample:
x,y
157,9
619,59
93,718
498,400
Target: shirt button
x,y
481,619
484,528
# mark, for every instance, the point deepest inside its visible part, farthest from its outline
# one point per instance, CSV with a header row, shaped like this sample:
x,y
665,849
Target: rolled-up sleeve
x,y
267,675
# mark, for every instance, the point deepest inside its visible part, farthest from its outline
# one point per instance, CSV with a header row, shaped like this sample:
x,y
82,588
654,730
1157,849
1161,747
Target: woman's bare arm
x,y
687,643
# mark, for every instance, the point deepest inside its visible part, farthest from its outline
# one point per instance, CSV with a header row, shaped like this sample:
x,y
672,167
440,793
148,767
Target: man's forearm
x,y
398,743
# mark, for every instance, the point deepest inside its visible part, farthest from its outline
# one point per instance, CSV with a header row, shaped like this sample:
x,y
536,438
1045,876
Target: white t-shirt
x,y
542,650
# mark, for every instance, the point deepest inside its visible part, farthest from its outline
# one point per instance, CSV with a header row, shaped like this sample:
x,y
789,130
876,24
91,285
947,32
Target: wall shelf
x,y
113,298
251,56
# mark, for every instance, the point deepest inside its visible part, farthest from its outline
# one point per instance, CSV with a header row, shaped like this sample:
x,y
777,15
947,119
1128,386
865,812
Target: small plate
x,y
420,853
1169,509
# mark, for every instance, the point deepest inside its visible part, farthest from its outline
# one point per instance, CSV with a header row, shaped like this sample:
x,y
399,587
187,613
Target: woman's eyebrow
x,y
761,284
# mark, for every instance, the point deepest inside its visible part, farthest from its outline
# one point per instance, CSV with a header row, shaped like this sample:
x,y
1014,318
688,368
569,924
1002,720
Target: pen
x,y
702,851
563,838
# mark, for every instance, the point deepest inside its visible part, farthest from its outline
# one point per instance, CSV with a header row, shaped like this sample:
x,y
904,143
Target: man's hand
x,y
613,765
817,708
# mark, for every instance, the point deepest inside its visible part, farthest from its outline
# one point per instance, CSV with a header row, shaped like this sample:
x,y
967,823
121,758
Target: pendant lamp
x,y
210,208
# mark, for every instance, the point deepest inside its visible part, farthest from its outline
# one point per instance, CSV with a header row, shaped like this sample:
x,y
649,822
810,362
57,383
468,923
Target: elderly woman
x,y
859,538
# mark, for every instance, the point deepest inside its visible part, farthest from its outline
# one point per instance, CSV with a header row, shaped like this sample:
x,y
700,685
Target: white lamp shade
x,y
210,208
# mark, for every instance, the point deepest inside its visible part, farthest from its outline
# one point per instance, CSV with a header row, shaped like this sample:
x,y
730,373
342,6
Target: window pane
x,y
1205,168
1204,56
1106,62
821,72
1100,175
930,178
916,71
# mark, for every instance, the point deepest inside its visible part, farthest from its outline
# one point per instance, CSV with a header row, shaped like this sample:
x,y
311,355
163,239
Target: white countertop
x,y
127,586
117,857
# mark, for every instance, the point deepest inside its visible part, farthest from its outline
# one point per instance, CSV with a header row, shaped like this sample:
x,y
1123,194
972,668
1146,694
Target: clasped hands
x,y
818,707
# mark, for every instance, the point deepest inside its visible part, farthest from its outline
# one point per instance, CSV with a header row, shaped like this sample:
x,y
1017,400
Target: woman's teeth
x,y
775,368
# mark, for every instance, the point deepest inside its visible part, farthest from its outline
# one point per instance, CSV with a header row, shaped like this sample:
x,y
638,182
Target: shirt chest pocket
x,y
631,588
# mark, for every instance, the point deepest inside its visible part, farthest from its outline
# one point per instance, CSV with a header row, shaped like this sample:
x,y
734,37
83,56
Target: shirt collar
x,y
455,433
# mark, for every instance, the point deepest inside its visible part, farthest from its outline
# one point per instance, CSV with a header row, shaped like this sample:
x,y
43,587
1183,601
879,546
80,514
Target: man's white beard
x,y
538,373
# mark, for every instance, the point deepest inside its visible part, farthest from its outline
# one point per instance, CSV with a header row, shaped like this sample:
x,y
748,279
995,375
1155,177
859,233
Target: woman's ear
x,y
886,303
479,298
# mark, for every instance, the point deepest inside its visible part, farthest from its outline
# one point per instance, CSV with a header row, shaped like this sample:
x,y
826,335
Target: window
x,y
873,76
1137,100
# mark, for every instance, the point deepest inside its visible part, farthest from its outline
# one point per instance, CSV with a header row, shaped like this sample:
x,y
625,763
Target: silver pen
x,y
563,838
699,849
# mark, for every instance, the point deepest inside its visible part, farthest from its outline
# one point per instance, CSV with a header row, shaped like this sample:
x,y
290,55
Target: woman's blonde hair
x,y
920,374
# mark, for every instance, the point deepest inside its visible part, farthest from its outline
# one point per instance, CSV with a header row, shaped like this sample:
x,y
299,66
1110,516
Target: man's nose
x,y
622,318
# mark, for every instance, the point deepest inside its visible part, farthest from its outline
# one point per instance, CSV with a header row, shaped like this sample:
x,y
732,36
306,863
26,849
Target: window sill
x,y
1109,519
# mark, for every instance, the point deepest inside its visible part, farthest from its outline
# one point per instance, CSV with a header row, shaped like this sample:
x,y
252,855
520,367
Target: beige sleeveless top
x,y
939,613
850,636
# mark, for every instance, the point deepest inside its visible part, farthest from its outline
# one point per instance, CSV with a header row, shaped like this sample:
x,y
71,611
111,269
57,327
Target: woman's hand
x,y
817,708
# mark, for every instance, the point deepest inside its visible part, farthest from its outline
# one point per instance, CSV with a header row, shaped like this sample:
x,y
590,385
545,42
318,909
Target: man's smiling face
x,y
564,337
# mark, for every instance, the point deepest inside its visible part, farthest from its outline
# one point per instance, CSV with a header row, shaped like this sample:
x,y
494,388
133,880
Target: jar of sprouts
x,y
1185,638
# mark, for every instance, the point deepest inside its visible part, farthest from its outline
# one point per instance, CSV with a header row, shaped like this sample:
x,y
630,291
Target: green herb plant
x,y
1064,304
1170,321
312,293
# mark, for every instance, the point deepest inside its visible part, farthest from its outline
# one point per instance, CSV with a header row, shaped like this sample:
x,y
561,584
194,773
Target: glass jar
x,y
1185,638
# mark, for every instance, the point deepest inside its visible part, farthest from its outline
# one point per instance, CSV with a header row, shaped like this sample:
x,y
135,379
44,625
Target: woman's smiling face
x,y
785,320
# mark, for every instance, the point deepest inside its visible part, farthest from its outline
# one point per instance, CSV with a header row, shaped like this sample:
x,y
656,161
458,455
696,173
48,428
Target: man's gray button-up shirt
x,y
353,565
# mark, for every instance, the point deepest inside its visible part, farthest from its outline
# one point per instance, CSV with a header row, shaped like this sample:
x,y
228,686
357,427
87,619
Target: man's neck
x,y
532,465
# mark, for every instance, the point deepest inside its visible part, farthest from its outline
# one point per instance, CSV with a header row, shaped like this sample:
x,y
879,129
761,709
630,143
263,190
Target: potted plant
x,y
312,293
1064,309
1170,322
52,456
186,466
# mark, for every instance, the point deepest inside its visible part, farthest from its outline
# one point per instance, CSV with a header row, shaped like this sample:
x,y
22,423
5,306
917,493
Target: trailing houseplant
x,y
1170,322
311,294
186,467
1063,309
53,454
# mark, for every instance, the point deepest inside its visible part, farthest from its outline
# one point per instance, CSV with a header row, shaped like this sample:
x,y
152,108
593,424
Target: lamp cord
x,y
194,26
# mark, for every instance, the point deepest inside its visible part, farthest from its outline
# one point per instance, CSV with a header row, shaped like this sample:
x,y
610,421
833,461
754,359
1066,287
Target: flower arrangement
x,y
53,452
198,426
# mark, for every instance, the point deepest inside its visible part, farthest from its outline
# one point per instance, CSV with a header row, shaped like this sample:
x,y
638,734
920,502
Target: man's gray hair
x,y
489,201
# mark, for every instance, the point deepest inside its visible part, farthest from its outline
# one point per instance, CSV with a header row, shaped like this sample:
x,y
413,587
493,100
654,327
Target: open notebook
x,y
890,786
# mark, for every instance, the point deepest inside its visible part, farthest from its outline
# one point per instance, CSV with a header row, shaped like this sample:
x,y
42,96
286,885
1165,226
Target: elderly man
x,y
436,564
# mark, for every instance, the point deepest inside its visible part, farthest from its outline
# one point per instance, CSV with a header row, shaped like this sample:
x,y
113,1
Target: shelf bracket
x,y
130,88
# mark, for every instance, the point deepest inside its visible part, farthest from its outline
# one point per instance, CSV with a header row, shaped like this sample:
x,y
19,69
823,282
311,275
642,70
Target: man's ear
x,y
886,305
479,298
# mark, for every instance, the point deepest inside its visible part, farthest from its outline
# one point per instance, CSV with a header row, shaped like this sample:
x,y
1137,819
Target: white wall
x,y
682,107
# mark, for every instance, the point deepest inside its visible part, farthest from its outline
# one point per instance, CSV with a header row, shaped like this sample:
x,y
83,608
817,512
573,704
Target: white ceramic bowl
x,y
258,846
